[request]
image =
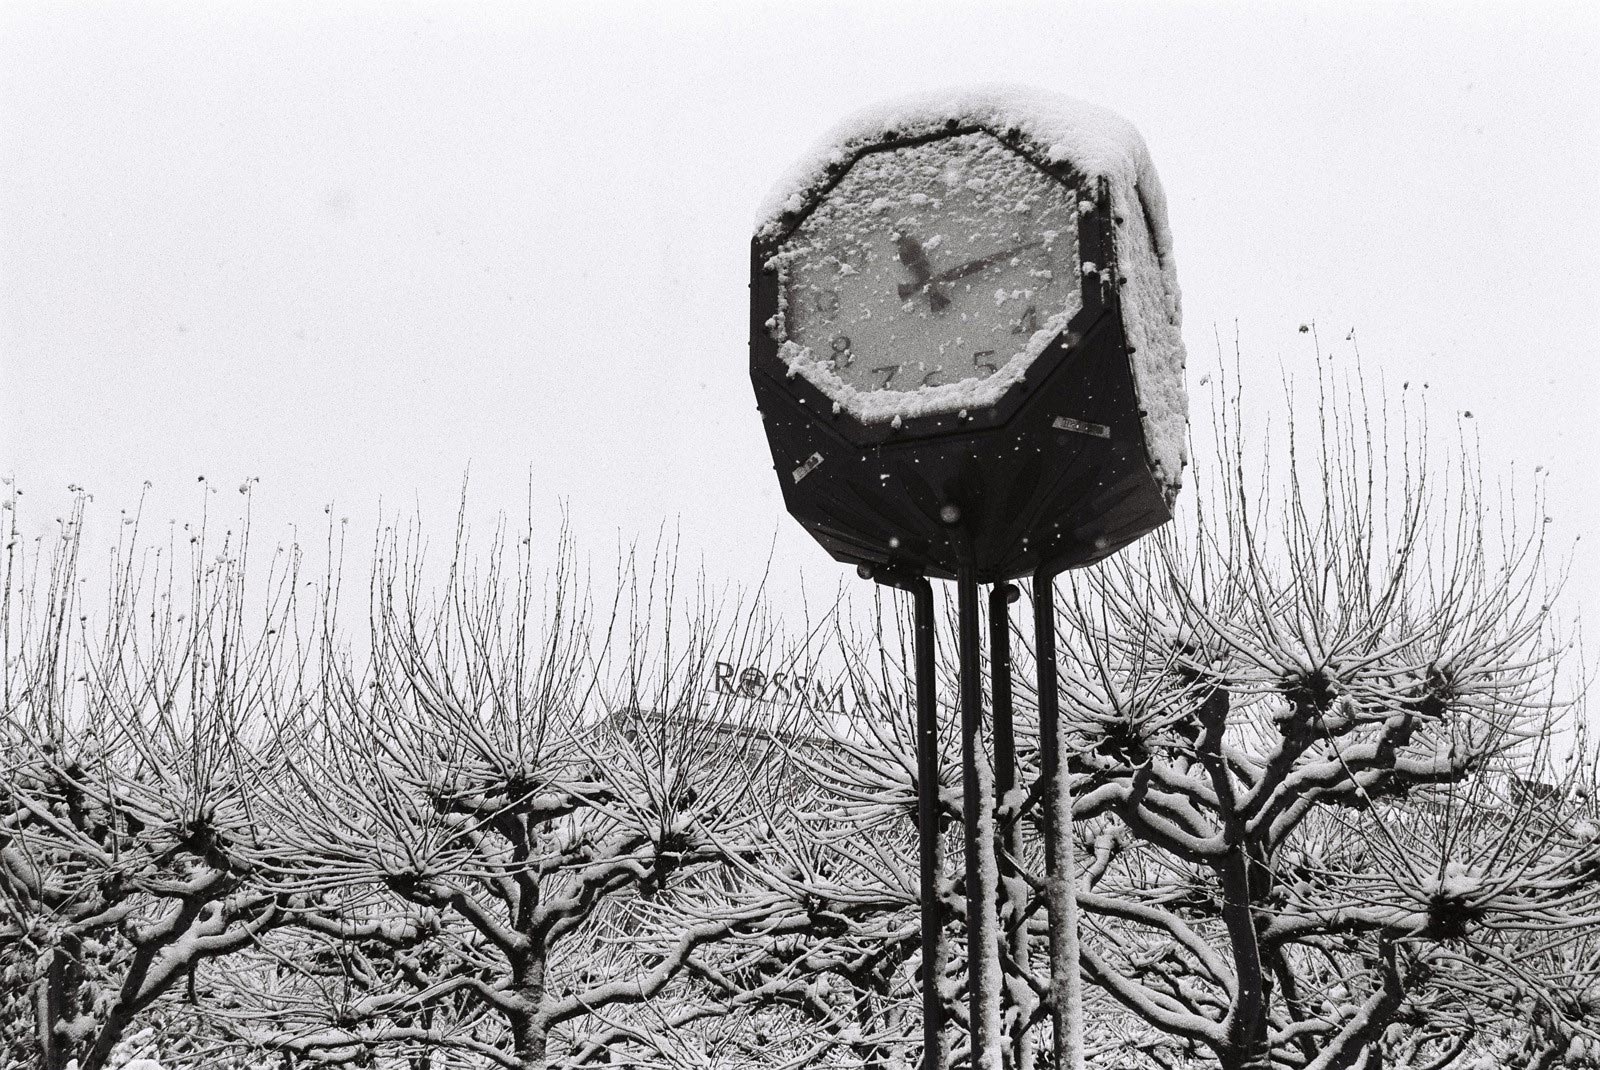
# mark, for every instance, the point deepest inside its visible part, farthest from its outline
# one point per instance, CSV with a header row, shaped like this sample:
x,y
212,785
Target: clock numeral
x,y
889,371
979,362
826,302
841,349
1028,323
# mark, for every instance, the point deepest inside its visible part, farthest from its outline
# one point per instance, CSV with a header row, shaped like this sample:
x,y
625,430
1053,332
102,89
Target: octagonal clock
x,y
941,344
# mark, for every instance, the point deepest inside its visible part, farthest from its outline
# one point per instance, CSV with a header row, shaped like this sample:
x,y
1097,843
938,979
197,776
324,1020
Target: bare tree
x,y
489,816
128,765
1353,661
1298,722
1332,810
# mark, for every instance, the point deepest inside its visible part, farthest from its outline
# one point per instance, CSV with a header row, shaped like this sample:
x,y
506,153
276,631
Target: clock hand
x,y
972,267
915,258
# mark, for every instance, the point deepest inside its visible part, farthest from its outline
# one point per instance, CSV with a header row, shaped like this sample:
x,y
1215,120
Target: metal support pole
x,y
1066,981
983,951
1001,595
1020,1005
928,841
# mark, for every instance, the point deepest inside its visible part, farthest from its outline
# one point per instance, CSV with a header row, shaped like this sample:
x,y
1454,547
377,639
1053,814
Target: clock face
x,y
929,277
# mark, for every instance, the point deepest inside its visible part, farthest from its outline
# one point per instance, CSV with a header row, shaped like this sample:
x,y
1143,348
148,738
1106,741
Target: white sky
x,y
353,251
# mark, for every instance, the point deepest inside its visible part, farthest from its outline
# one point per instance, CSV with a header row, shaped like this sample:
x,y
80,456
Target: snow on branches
x,y
1332,809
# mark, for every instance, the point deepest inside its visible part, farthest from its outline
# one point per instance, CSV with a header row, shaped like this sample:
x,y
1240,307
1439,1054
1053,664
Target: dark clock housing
x,y
1054,473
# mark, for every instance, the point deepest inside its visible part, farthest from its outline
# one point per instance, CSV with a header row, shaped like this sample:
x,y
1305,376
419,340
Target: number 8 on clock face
x,y
930,265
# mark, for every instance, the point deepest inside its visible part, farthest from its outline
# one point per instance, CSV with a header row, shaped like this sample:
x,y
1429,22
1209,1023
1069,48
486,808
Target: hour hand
x,y
936,297
915,258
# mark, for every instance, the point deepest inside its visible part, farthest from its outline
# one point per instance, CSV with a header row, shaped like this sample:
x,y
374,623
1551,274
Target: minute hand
x,y
970,267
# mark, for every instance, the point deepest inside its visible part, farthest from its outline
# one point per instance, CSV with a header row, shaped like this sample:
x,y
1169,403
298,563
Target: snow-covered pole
x,y
935,1051
983,879
1061,894
1019,1011
931,862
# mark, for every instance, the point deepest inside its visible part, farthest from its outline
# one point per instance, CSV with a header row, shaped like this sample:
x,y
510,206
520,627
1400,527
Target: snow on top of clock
x,y
1098,144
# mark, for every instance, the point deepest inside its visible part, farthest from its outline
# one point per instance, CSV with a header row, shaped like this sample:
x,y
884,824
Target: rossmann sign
x,y
781,688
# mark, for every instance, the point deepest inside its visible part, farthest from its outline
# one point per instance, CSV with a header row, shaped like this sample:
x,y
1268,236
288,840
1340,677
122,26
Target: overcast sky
x,y
354,249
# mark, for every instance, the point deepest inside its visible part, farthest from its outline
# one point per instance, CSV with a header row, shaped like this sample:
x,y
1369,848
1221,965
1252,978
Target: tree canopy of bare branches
x,y
1331,785
1333,796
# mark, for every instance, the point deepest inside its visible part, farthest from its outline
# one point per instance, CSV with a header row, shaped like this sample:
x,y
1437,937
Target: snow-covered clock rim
x,y
1097,143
